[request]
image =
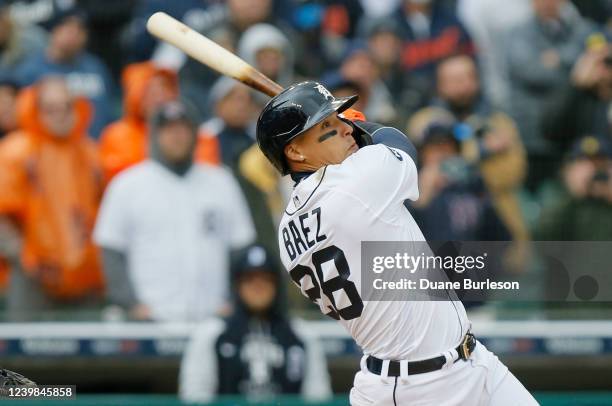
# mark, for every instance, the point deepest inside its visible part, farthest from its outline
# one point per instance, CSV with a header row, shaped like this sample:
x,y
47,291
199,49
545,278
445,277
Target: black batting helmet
x,y
292,112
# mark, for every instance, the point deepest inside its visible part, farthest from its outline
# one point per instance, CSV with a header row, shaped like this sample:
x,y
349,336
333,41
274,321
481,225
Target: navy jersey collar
x,y
299,176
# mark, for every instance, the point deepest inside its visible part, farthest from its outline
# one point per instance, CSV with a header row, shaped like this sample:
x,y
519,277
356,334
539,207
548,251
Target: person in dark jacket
x,y
66,55
488,138
431,31
453,203
581,208
255,352
592,81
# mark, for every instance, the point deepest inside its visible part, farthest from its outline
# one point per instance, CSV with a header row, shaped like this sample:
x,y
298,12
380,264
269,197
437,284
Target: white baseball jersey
x,y
330,213
177,232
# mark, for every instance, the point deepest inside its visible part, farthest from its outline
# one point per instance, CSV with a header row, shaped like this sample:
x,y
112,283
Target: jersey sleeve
x,y
242,230
113,224
394,138
380,176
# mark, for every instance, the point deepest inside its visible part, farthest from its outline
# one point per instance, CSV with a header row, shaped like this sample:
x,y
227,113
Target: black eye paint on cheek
x,y
327,135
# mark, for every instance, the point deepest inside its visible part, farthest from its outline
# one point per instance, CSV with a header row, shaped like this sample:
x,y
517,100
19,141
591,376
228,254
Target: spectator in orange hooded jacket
x,y
124,142
50,188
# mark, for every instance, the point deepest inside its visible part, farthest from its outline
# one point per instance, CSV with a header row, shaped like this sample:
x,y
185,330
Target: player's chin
x,y
352,149
347,152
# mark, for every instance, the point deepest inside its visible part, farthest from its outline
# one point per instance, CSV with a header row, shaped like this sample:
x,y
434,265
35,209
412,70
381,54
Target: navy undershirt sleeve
x,y
390,137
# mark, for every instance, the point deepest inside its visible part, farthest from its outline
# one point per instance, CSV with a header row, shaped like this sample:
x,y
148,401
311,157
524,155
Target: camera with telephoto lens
x,y
472,127
456,170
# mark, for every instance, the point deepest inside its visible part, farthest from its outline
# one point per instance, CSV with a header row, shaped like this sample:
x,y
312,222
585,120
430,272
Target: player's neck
x,y
300,176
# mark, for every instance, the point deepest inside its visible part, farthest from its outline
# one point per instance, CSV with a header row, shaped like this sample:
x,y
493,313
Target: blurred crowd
x,y
129,173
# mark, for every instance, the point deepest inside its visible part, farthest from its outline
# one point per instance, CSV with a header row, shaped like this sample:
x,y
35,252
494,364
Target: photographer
x,y
488,139
582,209
592,79
453,204
540,54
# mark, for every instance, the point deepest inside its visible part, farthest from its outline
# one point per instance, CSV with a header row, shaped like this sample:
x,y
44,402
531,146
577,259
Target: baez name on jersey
x,y
302,233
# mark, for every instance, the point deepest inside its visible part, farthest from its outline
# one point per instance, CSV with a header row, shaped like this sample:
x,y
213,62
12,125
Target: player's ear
x,y
293,154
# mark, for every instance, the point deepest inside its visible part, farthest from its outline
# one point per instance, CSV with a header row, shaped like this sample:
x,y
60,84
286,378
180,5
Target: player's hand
x,y
577,177
589,68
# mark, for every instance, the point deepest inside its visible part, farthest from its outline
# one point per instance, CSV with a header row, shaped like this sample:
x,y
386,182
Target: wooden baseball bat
x,y
209,53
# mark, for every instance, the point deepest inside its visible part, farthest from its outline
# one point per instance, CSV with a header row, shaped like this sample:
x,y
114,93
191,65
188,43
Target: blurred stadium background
x,y
519,92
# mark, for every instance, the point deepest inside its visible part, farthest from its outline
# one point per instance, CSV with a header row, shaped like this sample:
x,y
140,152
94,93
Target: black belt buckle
x,y
467,346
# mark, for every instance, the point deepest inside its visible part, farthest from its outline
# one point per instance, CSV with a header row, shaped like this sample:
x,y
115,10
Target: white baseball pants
x,y
481,380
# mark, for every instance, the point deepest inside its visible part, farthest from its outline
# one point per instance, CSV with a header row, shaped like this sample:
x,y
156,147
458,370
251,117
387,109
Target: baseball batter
x,y
352,178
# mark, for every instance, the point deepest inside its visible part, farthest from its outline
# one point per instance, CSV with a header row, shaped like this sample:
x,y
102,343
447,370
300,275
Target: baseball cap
x,y
591,146
60,15
437,133
254,258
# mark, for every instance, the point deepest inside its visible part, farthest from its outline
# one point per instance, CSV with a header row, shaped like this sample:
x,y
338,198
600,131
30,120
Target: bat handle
x,y
261,82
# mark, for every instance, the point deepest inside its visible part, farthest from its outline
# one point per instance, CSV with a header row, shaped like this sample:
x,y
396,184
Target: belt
x,y
464,350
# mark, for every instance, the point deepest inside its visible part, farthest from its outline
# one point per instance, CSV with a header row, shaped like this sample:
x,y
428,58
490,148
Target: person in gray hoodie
x,y
541,53
267,49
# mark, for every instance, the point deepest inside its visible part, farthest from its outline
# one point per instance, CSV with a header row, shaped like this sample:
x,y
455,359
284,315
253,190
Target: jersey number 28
x,y
332,284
